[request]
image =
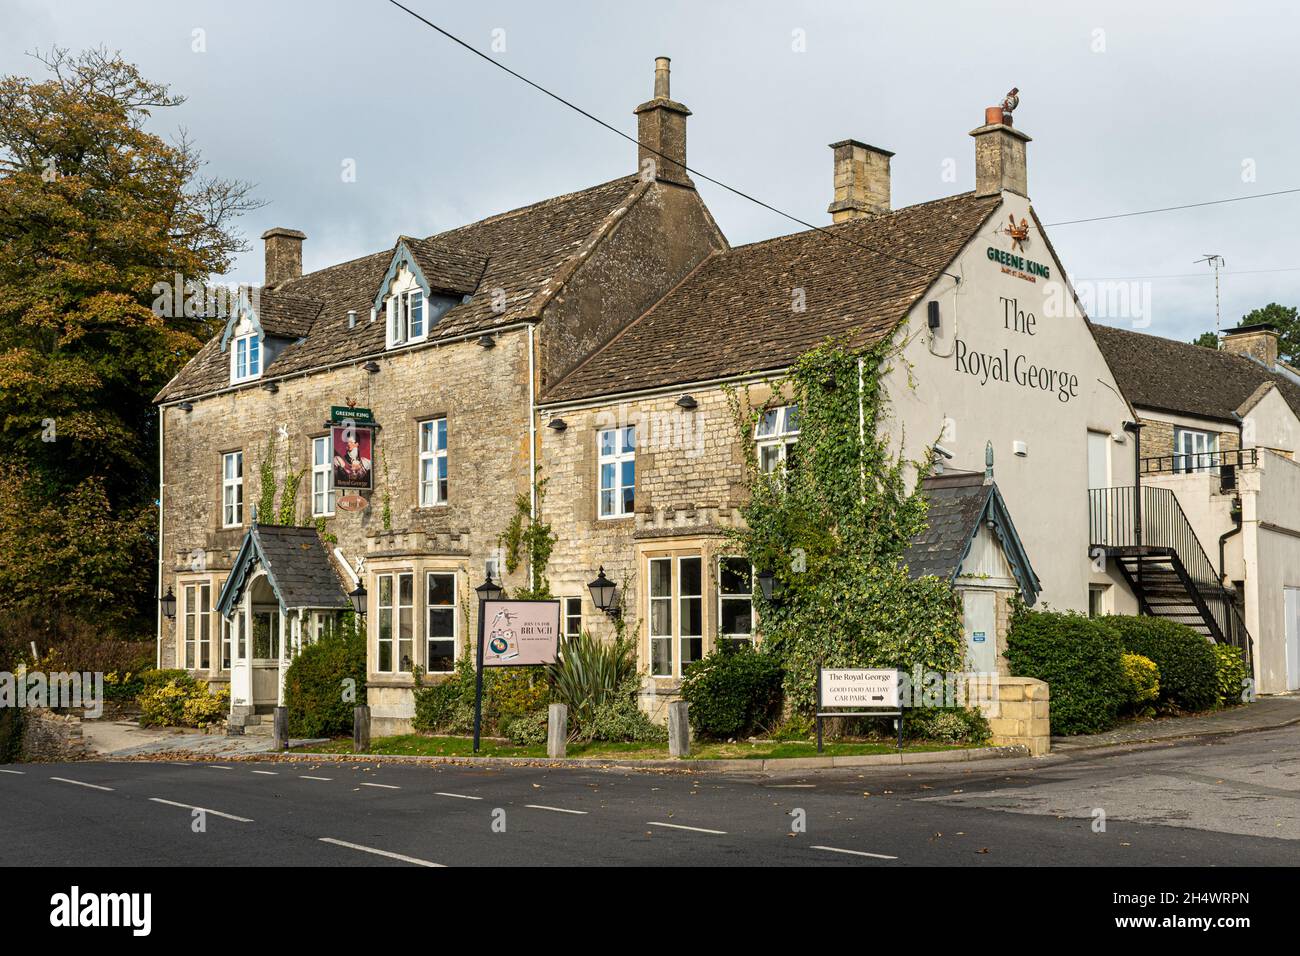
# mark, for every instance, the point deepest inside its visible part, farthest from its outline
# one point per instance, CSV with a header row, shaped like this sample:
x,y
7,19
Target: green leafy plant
x,y
1080,660
591,673
177,702
266,488
1142,678
735,691
946,725
1188,678
832,525
529,541
326,681
1230,673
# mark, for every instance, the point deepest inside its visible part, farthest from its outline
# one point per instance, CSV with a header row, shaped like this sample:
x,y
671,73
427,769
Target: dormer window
x,y
245,357
406,317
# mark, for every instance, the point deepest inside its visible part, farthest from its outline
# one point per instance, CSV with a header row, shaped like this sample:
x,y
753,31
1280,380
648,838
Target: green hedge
x,y
1079,659
325,682
1188,676
734,691
1230,673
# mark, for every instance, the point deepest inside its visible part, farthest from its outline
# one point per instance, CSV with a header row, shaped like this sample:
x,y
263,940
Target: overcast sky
x,y
1131,106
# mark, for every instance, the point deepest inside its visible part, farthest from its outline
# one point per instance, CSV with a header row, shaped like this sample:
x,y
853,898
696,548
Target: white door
x,y
981,625
1292,638
1098,460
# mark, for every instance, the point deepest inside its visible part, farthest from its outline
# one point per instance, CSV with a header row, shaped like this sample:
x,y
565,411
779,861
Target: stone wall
x,y
51,737
1021,715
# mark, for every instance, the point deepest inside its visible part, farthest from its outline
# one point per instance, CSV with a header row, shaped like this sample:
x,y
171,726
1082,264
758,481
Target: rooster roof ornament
x,y
1010,102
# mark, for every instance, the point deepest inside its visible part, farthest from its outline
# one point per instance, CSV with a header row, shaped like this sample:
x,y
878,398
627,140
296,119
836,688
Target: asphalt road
x,y
1232,801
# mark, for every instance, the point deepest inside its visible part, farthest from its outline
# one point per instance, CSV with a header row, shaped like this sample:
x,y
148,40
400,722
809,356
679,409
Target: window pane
x,y
442,657
661,658
628,474
607,442
629,439
692,613
769,457
607,502
426,436
606,477
442,434
629,501
733,576
767,425
442,589
736,616
692,650
661,577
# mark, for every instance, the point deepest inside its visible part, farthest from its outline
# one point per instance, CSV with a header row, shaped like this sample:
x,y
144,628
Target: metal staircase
x,y
1157,551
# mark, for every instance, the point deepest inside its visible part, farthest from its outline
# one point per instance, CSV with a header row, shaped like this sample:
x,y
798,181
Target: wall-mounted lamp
x,y
487,341
770,586
687,402
932,315
602,594
271,387
168,604
559,424
372,367
186,406
489,590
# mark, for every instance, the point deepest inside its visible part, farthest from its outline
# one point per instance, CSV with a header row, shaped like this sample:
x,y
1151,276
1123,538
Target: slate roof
x,y
287,316
1172,376
733,314
958,504
300,570
526,252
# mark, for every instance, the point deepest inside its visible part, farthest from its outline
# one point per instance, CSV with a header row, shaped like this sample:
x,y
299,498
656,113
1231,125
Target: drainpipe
x,y
1236,512
532,445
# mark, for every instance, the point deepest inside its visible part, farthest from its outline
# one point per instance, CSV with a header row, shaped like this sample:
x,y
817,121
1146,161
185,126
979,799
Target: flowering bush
x,y
182,703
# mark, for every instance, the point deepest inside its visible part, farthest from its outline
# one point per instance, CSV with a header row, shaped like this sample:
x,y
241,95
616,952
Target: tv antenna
x,y
1216,262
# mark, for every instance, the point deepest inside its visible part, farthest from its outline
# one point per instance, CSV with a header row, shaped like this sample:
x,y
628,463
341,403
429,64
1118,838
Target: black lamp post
x,y
487,591
602,593
168,604
358,597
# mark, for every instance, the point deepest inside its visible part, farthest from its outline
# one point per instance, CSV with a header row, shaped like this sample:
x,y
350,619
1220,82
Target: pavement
x,y
118,739
1211,801
1265,713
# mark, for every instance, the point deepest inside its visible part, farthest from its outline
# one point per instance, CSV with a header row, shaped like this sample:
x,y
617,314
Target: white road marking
x,y
538,806
678,826
381,786
81,783
370,849
18,772
217,766
268,773
309,777
835,849
791,786
458,796
188,806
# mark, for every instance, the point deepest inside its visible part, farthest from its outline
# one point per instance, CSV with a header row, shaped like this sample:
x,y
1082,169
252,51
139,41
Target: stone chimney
x,y
661,131
283,254
1258,342
861,181
999,155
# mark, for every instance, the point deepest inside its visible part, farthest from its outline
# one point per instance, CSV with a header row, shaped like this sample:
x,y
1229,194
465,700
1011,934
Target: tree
x,y
95,212
1284,318
1206,340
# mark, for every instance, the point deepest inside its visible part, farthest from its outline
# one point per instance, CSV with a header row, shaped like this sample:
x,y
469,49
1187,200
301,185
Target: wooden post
x,y
557,730
679,730
280,728
361,729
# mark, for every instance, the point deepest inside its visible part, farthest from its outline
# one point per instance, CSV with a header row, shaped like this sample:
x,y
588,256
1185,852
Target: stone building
x,y
591,340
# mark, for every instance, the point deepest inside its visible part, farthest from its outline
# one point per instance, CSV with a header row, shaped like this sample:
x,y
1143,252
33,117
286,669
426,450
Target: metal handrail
x,y
1187,463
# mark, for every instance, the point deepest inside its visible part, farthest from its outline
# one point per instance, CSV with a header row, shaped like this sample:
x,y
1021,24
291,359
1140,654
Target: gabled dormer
x,y
424,280
243,338
262,323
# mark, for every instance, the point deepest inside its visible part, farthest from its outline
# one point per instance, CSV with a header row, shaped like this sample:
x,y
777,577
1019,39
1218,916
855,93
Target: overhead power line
x,y
1191,205
632,139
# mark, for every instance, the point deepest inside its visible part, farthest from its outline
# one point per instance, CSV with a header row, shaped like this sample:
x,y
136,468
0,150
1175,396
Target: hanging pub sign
x,y
354,454
342,414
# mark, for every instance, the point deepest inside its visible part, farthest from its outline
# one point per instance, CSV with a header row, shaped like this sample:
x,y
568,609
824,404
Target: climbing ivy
x,y
832,526
529,541
287,512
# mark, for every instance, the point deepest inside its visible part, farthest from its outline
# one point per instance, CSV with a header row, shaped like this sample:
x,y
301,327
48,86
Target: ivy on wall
x,y
529,541
286,514
832,525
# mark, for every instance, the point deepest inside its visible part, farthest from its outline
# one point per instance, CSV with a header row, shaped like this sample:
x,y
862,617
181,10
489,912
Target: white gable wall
x,y
975,381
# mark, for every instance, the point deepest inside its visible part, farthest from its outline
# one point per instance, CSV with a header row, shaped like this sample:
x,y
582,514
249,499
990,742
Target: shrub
x,y
733,691
526,730
1188,680
182,703
1079,659
518,692
947,724
1230,673
1142,678
590,674
325,682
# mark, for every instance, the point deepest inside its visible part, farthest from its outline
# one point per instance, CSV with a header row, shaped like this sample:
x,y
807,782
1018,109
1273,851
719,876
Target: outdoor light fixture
x,y
271,387
487,591
372,367
168,604
186,406
559,424
932,315
687,403
487,341
358,597
602,593
771,587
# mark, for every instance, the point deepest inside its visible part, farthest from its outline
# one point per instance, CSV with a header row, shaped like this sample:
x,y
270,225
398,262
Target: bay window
x,y
735,600
197,625
396,599
440,637
676,613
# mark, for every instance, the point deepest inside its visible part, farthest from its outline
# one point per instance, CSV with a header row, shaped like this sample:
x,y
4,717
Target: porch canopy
x,y
963,509
296,565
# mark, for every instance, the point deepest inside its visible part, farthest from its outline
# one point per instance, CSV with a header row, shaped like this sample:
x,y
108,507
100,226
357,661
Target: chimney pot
x,y
661,132
861,181
283,254
1258,342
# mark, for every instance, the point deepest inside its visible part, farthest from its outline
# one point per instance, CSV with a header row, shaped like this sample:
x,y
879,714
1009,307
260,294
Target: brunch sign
x,y
1015,368
520,633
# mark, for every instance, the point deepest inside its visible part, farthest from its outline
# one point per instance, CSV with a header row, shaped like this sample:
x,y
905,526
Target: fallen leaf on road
x,y
982,850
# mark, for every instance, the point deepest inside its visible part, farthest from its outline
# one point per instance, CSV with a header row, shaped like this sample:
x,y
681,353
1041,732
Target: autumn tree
x,y
95,211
